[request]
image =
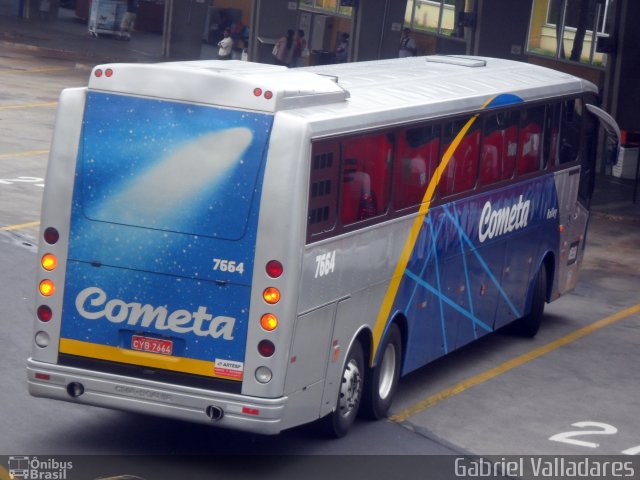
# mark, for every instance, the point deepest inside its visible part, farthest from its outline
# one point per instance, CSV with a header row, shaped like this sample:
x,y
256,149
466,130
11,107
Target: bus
x,y
257,247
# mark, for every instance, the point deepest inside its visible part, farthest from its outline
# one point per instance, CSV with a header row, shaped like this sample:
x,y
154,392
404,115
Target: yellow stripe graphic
x,y
36,70
30,153
511,364
20,226
133,357
28,105
392,290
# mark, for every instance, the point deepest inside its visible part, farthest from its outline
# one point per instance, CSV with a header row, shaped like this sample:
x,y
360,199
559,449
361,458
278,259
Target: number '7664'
x,y
325,264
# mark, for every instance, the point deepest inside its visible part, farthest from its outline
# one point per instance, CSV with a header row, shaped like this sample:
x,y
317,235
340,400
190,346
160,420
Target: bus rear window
x,y
171,166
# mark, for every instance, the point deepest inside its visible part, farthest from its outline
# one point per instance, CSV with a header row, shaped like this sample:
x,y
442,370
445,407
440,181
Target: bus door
x,y
578,134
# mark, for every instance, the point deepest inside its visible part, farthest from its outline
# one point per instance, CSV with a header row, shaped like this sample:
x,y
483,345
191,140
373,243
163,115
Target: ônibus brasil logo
x,y
34,468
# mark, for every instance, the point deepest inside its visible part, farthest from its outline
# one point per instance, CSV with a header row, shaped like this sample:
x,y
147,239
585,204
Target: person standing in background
x,y
283,49
407,45
300,49
128,20
342,49
224,52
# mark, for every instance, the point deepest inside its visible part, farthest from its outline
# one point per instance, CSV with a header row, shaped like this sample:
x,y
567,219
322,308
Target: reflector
x,y
51,235
266,348
44,313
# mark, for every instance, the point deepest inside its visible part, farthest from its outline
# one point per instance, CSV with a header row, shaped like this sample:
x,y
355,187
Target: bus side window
x,y
416,160
499,147
552,136
570,128
365,177
323,191
530,149
462,170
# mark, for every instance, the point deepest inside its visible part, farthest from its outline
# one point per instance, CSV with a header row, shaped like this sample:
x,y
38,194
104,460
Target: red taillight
x,y
44,313
51,235
108,72
266,348
43,376
268,95
98,72
257,92
274,269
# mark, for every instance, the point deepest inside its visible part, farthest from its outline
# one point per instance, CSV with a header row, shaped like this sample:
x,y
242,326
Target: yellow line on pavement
x,y
511,364
19,226
36,70
30,153
28,105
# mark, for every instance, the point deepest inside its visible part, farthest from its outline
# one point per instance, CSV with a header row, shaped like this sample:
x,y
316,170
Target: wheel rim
x,y
350,388
387,371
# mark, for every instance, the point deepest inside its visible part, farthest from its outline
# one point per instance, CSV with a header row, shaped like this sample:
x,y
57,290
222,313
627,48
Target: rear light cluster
x,y
47,287
269,321
98,72
258,92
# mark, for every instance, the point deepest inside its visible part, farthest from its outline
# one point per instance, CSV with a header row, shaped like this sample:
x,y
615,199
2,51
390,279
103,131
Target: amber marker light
x,y
269,322
271,295
47,288
49,262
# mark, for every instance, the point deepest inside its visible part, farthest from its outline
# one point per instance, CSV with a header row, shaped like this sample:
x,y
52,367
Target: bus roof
x,y
375,92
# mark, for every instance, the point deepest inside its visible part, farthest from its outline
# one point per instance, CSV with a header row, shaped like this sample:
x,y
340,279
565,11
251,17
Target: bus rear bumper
x,y
238,412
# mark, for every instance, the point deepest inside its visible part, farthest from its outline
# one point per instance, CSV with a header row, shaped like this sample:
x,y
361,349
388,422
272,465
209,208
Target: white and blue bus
x,y
258,248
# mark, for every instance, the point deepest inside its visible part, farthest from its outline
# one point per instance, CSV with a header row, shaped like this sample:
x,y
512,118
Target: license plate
x,y
152,345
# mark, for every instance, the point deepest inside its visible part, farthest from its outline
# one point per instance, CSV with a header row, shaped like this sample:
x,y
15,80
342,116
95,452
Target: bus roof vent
x,y
455,60
303,89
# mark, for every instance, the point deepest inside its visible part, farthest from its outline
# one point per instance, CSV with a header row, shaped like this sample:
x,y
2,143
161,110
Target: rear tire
x,y
338,422
528,325
382,380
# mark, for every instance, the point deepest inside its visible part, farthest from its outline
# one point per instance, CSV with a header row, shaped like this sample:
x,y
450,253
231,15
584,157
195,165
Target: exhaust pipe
x,y
75,389
214,413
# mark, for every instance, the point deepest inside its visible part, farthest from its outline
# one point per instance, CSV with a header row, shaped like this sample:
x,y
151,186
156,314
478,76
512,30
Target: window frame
x,y
393,211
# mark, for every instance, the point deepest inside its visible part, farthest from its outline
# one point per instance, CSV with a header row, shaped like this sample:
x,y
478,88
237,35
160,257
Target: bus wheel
x,y
382,380
528,325
338,422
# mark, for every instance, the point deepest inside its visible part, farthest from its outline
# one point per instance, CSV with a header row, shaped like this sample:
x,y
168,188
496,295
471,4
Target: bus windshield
x,y
170,166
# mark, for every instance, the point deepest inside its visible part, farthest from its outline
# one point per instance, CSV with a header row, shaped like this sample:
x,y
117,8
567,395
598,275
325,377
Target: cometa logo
x,y
494,223
92,303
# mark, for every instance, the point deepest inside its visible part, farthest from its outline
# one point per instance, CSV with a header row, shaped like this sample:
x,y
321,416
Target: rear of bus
x,y
151,294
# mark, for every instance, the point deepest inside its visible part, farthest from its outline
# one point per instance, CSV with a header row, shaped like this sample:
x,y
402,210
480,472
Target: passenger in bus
x,y
359,201
530,143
